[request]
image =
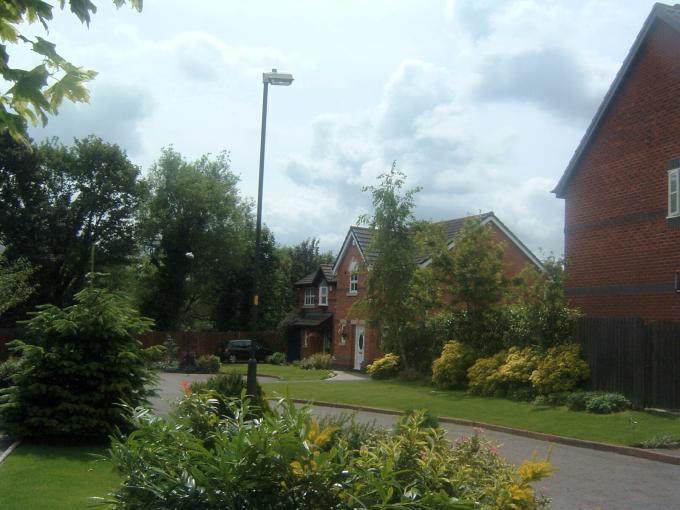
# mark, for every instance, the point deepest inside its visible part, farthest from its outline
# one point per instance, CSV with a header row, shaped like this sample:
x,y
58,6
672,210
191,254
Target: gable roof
x,y
325,270
669,14
363,237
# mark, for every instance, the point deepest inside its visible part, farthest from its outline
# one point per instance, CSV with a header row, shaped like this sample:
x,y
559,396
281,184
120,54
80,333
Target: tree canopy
x,y
31,95
57,202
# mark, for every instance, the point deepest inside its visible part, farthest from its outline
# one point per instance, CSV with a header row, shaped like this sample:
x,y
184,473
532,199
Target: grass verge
x,y
283,372
624,428
38,477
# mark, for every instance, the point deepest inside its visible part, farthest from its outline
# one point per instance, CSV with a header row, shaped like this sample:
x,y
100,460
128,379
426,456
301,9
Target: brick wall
x,y
621,251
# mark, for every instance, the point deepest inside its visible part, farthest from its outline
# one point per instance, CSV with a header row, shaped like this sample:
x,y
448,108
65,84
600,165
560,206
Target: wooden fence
x,y
208,342
198,342
640,360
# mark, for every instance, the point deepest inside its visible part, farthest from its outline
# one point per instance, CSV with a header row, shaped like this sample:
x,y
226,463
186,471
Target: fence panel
x,y
663,365
614,349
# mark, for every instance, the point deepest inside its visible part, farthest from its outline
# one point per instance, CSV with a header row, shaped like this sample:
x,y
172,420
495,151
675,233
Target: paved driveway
x,y
586,479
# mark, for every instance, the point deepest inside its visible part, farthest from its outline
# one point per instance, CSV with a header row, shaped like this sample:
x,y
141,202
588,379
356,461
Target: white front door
x,y
359,342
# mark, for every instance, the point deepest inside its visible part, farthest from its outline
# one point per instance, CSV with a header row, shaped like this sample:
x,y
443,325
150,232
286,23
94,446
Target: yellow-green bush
x,y
482,375
560,369
385,367
518,366
449,371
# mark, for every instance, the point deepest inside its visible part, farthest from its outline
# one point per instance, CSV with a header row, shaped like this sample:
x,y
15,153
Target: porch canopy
x,y
312,319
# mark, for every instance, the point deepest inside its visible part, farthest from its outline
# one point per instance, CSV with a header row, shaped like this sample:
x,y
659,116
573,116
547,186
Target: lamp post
x,y
273,78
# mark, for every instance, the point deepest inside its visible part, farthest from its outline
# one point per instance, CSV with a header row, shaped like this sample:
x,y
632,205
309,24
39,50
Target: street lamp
x,y
273,78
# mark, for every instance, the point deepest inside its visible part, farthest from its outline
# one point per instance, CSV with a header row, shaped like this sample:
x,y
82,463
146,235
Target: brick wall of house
x,y
621,251
344,351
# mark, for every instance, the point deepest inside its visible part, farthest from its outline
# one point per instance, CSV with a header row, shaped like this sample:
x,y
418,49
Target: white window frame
x,y
323,294
310,296
353,283
674,174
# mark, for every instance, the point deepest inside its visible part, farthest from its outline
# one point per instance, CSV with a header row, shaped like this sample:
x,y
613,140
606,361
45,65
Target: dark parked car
x,y
239,350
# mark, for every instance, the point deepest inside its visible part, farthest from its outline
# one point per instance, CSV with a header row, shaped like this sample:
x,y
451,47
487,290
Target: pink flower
x,y
478,431
186,387
462,439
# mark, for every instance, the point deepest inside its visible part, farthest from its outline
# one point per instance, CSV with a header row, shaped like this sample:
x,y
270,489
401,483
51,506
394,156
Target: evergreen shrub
x,y
481,376
77,365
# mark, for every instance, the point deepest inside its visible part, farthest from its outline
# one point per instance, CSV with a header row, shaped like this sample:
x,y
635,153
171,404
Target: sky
x,y
481,103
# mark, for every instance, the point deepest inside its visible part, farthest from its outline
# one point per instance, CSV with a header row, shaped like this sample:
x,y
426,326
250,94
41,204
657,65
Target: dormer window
x,y
310,296
323,294
673,192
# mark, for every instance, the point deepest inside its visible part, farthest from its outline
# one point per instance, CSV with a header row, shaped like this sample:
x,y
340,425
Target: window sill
x,y
309,306
352,293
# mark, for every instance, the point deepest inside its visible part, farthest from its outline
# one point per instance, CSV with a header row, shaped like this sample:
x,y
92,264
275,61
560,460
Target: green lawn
x,y
283,372
40,477
621,428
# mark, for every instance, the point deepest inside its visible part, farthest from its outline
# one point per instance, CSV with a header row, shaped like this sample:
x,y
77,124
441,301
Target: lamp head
x,y
277,78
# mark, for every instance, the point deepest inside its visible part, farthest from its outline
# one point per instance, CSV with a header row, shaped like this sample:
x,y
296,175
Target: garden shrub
x,y
386,367
481,380
524,394
660,442
517,369
552,399
607,403
290,460
78,364
597,402
278,358
316,361
560,369
230,386
449,371
208,364
576,401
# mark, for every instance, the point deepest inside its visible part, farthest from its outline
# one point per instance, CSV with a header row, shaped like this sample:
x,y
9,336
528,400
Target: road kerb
x,y
569,441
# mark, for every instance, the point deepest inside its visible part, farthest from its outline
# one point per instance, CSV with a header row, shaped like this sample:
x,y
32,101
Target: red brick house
x,y
326,322
622,186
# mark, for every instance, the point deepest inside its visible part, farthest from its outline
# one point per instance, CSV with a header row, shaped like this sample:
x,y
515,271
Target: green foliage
x,y
522,394
552,399
518,366
278,358
31,95
77,365
87,194
597,402
660,442
399,295
386,367
316,361
473,274
482,378
15,282
8,369
289,460
541,314
449,371
227,387
560,369
209,364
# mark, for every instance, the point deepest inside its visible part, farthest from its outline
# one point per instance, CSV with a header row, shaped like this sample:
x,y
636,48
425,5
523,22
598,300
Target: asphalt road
x,y
585,479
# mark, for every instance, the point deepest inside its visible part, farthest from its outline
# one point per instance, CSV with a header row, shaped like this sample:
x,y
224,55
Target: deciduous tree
x,y
31,95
